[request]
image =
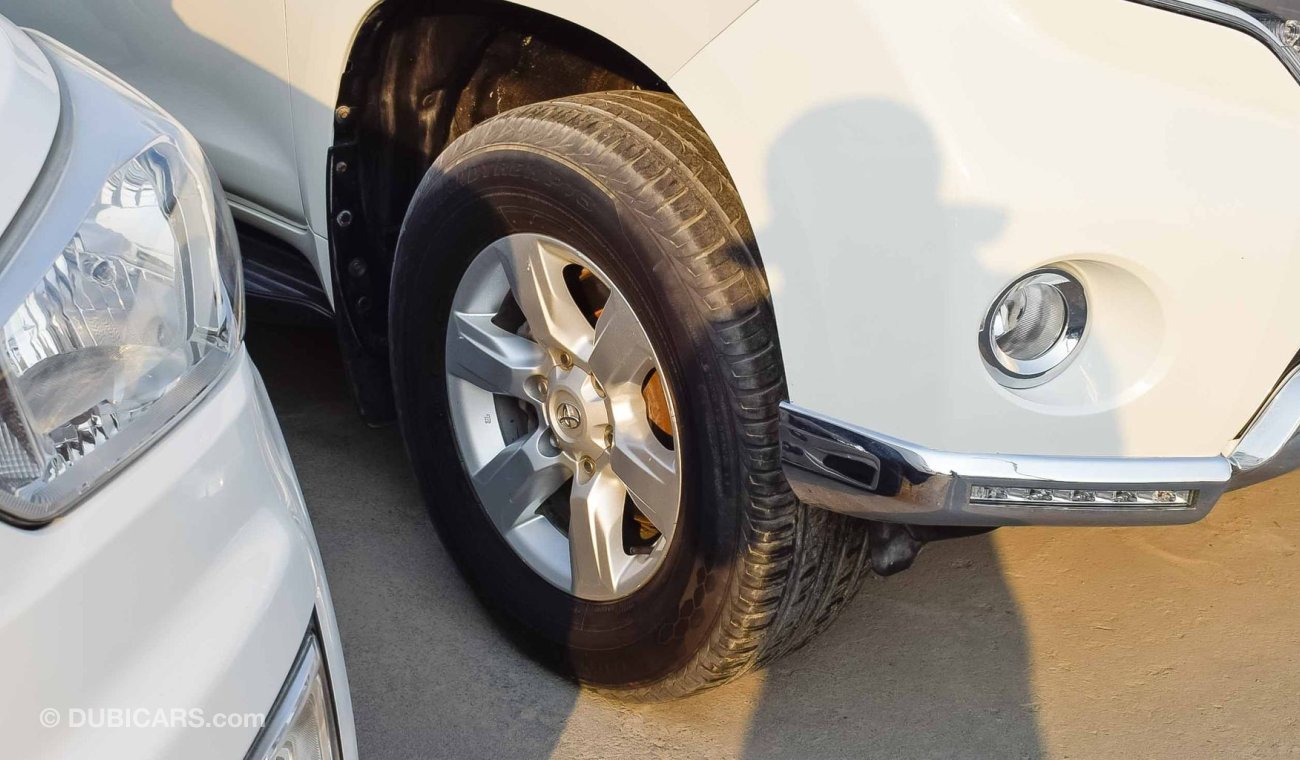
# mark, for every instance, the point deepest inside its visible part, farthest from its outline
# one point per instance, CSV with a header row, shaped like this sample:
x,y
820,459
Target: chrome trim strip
x,y
847,469
914,484
1233,17
296,236
1271,445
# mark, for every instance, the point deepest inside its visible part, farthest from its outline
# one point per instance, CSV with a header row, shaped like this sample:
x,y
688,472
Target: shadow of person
x,y
934,661
930,662
854,185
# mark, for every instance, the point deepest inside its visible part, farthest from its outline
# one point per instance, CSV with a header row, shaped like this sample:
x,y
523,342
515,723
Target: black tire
x,y
630,179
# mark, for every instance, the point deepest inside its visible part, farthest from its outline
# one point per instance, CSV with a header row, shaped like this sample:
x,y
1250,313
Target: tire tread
x,y
799,566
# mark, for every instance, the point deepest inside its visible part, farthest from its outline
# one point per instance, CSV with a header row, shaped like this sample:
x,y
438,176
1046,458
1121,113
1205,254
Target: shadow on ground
x,y
928,663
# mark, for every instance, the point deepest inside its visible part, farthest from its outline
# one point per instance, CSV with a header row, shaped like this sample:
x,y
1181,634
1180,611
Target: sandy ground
x,y
1059,643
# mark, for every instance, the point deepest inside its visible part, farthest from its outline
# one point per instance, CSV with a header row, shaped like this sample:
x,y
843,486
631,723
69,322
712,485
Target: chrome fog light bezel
x,y
1033,371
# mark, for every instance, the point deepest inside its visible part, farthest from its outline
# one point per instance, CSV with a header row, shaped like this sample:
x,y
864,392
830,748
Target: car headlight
x,y
130,322
1280,17
1275,22
301,725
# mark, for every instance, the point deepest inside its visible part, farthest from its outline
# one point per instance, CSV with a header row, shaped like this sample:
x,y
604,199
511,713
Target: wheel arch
x,y
418,75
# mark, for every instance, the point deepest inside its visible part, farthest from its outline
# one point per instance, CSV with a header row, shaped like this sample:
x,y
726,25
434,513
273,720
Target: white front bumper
x,y
186,583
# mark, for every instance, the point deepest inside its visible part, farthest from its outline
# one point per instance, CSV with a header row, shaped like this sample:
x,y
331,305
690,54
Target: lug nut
x,y
588,466
551,439
566,361
540,382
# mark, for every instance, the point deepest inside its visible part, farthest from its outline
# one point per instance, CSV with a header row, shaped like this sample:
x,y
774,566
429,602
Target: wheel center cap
x,y
576,413
569,416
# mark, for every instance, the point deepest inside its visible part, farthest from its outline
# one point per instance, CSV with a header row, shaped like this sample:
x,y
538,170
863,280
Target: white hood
x,y
29,116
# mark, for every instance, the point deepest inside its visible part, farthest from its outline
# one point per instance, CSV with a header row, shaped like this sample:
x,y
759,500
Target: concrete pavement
x,y
1062,643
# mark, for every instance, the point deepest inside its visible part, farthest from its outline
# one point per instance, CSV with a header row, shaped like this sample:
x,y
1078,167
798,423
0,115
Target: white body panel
x,y
29,100
219,68
904,163
901,163
188,581
256,80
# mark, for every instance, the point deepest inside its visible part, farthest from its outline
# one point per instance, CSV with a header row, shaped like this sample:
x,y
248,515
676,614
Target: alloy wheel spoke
x,y
596,554
490,357
517,480
536,278
607,457
622,353
648,470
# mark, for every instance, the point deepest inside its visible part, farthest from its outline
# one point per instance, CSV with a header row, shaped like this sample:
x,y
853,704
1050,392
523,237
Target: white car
x,y
692,312
162,592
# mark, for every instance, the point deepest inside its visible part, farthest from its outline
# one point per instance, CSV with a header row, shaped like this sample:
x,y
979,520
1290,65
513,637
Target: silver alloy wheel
x,y
579,424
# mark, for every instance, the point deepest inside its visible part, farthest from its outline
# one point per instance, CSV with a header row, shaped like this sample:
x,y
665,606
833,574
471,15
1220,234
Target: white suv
x,y
648,283
161,593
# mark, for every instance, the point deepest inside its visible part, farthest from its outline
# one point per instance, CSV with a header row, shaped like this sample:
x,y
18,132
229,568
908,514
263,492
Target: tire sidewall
x,y
467,201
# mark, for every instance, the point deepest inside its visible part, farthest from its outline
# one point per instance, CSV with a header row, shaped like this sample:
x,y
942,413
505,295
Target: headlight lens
x,y
1276,22
135,317
1034,328
301,725
1280,17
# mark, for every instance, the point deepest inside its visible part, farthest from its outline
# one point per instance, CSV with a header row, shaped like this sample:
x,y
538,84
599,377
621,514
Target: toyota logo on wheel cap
x,y
570,417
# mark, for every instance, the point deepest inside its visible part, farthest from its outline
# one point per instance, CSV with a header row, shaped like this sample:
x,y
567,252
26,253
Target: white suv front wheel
x,y
587,379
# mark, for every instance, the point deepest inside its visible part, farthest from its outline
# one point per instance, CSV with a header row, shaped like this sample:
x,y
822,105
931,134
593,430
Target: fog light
x,y
1079,497
301,726
1034,327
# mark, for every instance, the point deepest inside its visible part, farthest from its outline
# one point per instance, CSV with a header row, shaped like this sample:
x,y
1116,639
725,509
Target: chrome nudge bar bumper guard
x,y
847,469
